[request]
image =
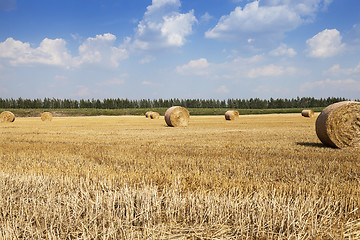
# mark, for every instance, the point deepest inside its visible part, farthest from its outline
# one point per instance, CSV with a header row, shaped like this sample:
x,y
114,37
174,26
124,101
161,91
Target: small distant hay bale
x,y
231,115
7,116
147,114
307,113
338,125
177,117
46,116
154,115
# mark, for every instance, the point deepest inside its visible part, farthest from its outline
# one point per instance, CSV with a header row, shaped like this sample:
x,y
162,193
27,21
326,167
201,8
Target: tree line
x,y
110,103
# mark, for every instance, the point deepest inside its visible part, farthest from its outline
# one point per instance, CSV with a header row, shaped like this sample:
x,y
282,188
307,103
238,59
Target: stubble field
x,y
128,177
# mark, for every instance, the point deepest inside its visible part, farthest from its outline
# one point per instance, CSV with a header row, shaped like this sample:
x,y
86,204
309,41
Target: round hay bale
x,y
338,125
307,113
154,115
147,114
177,117
7,116
231,115
46,116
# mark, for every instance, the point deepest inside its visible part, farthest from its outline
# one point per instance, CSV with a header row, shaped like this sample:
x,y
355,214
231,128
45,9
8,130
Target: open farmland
x,y
259,177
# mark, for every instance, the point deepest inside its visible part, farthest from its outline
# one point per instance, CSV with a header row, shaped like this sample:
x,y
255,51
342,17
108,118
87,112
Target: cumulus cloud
x,y
268,18
283,50
270,71
50,52
196,67
337,70
330,84
163,26
99,50
112,82
252,20
325,44
223,89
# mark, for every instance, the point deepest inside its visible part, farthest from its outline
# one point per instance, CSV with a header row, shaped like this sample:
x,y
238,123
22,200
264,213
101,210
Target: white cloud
x,y
268,19
101,50
112,82
330,84
305,8
196,67
163,26
50,52
222,89
148,83
337,70
254,20
147,59
82,91
270,71
206,17
325,44
283,50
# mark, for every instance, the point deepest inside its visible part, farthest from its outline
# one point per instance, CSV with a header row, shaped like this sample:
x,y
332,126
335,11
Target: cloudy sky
x,y
179,49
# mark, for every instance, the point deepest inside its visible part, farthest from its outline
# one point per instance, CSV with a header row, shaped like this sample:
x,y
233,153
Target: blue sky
x,y
179,49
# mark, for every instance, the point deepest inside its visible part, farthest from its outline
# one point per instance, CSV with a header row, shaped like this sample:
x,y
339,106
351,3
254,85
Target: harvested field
x,y
261,177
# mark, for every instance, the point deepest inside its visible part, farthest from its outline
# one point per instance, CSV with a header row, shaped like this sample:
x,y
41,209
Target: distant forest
x,y
252,103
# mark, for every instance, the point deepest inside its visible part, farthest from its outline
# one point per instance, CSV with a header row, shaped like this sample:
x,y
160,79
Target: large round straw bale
x,y
307,113
338,125
46,116
7,116
154,115
231,115
177,117
147,114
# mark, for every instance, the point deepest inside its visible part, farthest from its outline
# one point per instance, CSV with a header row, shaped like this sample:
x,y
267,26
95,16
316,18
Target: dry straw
x,y
147,114
154,115
338,125
177,117
7,116
46,116
307,113
231,115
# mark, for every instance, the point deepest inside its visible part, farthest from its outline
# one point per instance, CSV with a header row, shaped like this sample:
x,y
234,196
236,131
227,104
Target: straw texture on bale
x,y
147,114
307,113
338,125
231,115
7,116
46,116
154,115
177,117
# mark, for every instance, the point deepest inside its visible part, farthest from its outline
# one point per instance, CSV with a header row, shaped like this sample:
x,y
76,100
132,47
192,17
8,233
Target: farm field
x,y
129,177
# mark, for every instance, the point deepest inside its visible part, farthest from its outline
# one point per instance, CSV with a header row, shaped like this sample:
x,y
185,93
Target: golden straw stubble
x,y
46,116
338,125
307,113
7,116
154,115
231,115
177,116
